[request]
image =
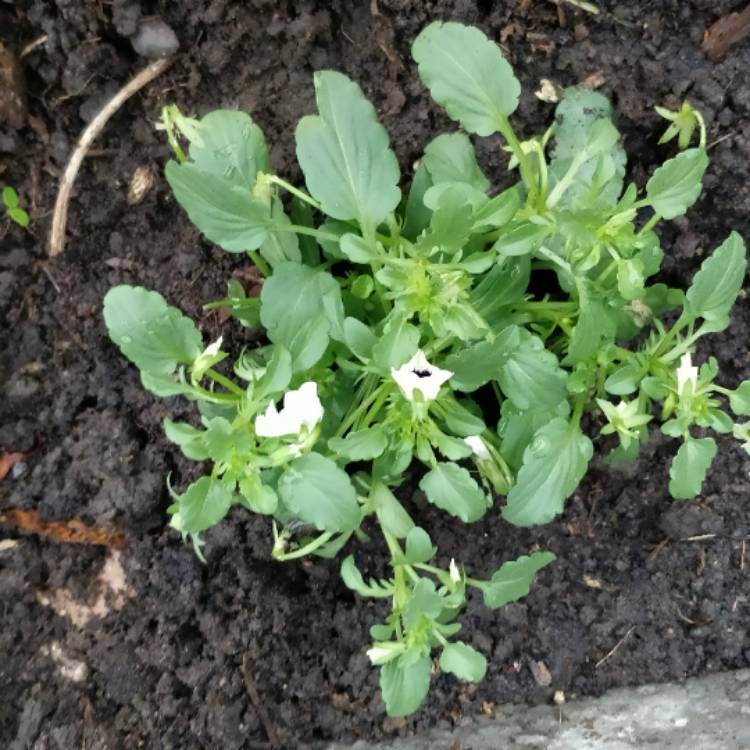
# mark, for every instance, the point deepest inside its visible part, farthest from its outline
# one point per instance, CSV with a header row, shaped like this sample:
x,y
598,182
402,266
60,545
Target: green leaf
x,y
152,335
498,211
301,308
528,374
464,662
423,602
467,74
451,158
280,245
676,184
522,239
258,497
19,216
354,581
624,380
553,465
457,417
361,445
231,146
226,214
219,440
190,439
301,214
579,118
203,504
317,491
416,214
518,426
501,287
404,684
391,514
419,547
345,155
397,345
10,197
630,278
513,580
718,282
359,338
739,400
357,250
451,221
451,488
593,327
278,374
689,467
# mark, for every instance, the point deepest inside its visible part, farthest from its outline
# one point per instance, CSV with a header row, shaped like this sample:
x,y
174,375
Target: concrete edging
x,y
702,713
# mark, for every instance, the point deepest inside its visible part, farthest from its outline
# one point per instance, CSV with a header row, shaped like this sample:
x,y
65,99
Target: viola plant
x,y
449,327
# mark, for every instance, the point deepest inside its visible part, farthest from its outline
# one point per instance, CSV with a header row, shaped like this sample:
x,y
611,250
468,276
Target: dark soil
x,y
165,671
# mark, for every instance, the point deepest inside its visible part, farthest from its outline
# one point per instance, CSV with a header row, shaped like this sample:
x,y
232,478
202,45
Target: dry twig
x,y
252,692
60,216
617,646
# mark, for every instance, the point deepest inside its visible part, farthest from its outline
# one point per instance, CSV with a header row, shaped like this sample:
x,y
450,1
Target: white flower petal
x,y
686,373
454,572
302,407
419,375
213,349
305,404
477,445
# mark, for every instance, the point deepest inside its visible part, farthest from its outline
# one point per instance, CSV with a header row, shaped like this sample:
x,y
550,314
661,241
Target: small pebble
x,y
154,39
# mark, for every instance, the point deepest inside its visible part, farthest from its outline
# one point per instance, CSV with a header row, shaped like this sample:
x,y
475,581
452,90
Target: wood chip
x,y
72,532
594,81
591,582
7,461
548,91
141,182
541,674
721,36
12,90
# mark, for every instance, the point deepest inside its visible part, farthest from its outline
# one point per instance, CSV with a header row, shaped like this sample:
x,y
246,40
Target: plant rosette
x,y
387,318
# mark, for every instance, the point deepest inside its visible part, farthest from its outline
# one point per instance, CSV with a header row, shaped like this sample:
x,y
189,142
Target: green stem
x,y
352,417
309,231
375,408
663,344
702,125
650,224
225,381
580,403
567,179
303,196
400,592
212,396
306,550
524,167
260,264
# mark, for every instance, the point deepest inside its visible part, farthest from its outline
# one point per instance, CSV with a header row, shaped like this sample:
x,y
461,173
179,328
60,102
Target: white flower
x,y
686,374
213,349
302,408
477,445
419,375
382,653
454,572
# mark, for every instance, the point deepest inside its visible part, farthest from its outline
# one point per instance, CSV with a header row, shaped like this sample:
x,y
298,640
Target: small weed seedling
x,y
12,210
385,312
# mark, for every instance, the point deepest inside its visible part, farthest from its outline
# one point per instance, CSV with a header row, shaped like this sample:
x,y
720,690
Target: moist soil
x,y
644,589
